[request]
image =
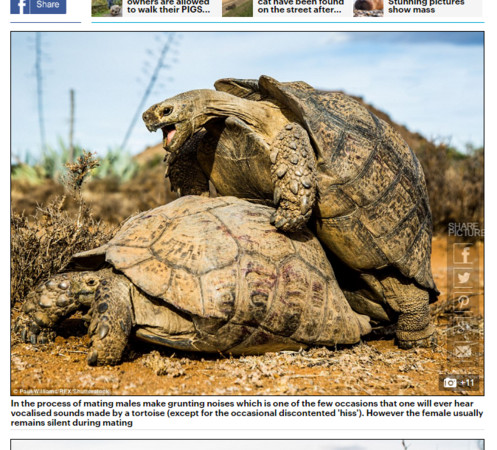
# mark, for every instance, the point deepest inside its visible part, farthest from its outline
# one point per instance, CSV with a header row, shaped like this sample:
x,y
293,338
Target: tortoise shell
x,y
373,209
246,287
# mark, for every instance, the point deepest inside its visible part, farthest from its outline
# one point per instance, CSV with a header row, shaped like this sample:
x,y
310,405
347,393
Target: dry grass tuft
x,y
43,244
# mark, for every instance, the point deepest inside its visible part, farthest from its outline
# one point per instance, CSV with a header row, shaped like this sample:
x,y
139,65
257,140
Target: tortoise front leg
x,y
293,173
111,320
52,302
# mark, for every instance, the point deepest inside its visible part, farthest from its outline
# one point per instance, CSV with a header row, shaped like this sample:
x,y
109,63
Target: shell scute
x,y
384,216
417,256
219,292
311,252
184,293
190,205
151,276
380,172
122,257
349,157
256,286
229,338
256,235
140,232
283,316
183,244
396,243
310,327
350,240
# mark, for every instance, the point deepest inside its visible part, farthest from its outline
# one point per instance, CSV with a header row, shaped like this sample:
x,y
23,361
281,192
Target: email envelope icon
x,y
462,351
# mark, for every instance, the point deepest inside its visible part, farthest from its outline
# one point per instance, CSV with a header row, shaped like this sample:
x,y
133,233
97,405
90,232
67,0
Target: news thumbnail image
x,y
316,444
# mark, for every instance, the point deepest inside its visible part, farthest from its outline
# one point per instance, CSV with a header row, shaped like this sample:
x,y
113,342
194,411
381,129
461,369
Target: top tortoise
x,y
319,153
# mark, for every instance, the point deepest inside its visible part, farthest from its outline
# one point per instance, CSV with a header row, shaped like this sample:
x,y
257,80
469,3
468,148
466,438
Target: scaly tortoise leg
x,y
111,321
293,173
48,305
414,327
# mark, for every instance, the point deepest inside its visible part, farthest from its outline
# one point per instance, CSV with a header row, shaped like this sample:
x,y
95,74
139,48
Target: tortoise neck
x,y
256,114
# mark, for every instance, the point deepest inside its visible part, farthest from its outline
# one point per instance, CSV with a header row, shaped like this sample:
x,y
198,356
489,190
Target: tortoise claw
x,y
93,358
280,223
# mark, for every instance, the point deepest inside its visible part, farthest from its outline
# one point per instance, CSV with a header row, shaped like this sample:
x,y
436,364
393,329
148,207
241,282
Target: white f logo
x,y
465,254
21,4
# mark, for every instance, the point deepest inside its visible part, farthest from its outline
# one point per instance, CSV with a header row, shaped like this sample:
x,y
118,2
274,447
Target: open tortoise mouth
x,y
168,133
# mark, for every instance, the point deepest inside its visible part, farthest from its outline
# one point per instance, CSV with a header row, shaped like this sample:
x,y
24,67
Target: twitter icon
x,y
463,278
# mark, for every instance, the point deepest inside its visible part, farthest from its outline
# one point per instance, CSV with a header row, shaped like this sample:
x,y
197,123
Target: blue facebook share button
x,y
37,6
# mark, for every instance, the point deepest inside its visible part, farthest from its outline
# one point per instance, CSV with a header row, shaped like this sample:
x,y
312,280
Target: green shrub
x,y
115,163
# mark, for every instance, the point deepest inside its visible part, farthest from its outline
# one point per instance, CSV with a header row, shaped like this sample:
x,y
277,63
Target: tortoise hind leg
x,y
388,297
414,328
293,173
111,321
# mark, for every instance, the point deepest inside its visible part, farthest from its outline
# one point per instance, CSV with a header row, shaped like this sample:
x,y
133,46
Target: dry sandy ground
x,y
372,367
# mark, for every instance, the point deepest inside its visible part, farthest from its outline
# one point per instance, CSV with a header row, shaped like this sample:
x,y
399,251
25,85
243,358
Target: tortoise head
x,y
178,117
183,115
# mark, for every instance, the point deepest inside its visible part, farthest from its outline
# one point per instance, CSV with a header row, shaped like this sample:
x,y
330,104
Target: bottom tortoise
x,y
199,274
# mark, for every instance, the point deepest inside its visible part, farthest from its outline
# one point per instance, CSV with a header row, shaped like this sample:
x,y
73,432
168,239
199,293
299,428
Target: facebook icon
x,y
37,7
17,6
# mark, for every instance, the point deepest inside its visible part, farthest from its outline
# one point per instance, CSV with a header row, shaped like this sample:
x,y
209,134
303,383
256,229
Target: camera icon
x,y
450,383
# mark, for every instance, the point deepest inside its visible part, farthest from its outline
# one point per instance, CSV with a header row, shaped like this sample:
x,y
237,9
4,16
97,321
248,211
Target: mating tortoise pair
x,y
215,275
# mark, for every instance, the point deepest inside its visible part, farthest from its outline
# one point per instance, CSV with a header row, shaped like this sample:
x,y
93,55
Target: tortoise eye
x,y
166,111
63,285
91,282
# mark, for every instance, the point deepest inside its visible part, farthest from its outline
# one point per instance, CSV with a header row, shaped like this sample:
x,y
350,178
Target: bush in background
x,y
43,244
455,184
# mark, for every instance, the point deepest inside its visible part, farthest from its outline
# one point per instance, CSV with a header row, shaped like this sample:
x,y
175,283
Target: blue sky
x,y
432,82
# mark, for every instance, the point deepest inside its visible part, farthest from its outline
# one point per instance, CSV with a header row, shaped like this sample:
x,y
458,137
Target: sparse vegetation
x,y
116,163
43,244
455,184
